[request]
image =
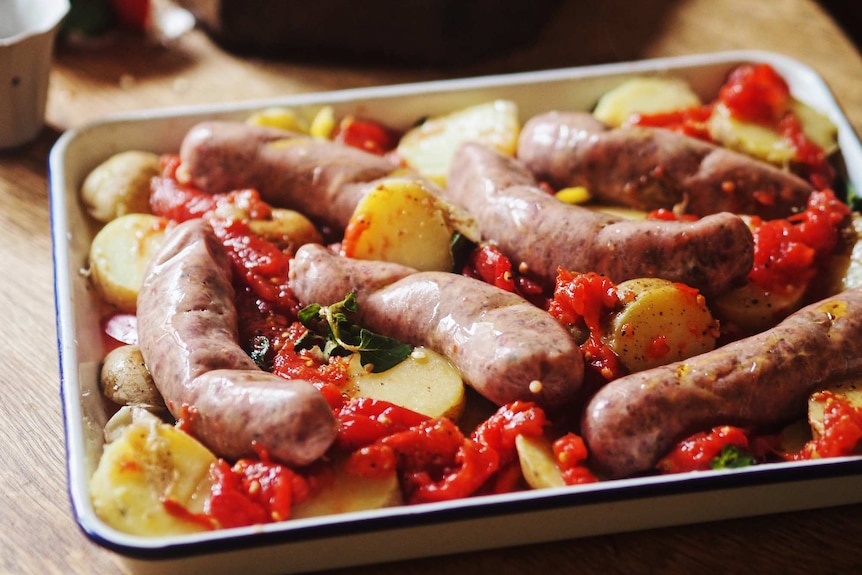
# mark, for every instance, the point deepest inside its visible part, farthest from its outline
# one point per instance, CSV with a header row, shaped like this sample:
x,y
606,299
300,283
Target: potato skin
x,y
120,185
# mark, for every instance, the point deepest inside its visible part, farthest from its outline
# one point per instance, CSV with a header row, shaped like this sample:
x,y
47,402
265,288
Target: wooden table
x,y
37,532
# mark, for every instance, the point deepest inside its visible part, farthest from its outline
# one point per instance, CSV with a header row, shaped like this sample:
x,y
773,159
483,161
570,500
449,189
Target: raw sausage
x,y
650,168
323,180
187,329
758,382
504,347
540,233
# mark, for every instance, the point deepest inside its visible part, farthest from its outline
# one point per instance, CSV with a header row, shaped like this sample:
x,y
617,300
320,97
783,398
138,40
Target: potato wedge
x,y
644,95
660,322
401,221
119,256
537,462
347,493
125,380
425,382
429,147
120,185
148,462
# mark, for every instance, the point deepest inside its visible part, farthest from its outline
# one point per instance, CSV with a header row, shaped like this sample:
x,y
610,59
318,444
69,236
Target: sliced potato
x,y
347,493
119,256
125,379
287,229
767,143
429,147
120,185
660,322
753,308
425,382
401,221
849,390
149,462
644,95
538,463
756,140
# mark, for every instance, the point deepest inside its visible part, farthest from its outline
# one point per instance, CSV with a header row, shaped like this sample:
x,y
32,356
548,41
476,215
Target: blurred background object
x,y
27,32
435,32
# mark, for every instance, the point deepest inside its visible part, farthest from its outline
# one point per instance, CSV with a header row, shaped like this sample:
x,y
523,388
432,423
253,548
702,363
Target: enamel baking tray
x,y
432,529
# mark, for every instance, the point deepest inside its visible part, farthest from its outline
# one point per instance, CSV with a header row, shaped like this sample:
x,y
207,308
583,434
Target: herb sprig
x,y
332,329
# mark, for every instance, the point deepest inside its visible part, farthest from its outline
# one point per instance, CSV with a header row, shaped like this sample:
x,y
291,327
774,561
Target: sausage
x,y
504,347
540,233
757,382
323,180
651,168
187,330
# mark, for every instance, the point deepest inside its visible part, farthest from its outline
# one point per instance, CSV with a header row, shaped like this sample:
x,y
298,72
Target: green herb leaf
x,y
333,331
732,457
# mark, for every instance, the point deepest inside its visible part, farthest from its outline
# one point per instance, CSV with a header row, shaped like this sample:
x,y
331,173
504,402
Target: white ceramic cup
x,y
27,32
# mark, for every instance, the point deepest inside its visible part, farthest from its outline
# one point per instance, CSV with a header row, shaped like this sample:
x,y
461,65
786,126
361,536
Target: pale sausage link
x,y
651,168
187,330
504,347
540,233
323,180
758,382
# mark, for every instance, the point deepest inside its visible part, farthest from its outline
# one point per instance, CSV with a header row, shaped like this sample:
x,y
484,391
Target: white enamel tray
x,y
433,529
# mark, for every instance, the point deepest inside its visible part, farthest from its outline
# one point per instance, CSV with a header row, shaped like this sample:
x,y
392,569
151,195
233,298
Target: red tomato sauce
x,y
697,452
842,430
787,251
588,298
570,453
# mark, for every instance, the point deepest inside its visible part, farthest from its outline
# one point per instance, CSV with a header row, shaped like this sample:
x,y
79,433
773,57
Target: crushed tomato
x,y
842,429
570,453
588,298
787,251
252,492
697,452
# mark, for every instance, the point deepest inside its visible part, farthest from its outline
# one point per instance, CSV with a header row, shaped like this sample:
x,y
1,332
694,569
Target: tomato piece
x,y
499,431
366,135
689,121
260,264
588,298
474,464
363,421
697,452
254,492
786,251
488,264
570,453
756,93
842,430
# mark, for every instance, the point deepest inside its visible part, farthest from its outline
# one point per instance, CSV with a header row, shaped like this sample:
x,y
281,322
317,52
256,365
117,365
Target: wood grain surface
x,y
38,534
